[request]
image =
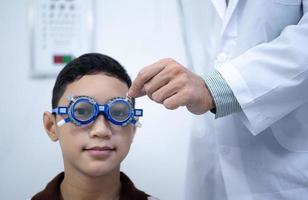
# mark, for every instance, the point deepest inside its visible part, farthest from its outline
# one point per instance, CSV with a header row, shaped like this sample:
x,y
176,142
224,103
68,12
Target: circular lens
x,y
83,110
119,111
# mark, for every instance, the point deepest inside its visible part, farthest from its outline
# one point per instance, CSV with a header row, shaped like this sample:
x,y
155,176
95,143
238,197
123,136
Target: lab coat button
x,y
222,57
224,151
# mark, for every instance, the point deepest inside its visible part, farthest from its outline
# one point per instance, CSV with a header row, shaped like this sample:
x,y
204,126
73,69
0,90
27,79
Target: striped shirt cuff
x,y
224,99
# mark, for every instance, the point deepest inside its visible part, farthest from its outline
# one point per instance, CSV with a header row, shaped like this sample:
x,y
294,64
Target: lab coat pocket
x,y
289,2
291,132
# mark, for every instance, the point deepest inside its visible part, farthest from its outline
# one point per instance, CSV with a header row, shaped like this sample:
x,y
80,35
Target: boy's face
x,y
98,148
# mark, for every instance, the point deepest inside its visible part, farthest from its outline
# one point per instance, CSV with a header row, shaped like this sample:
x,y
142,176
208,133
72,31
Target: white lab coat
x,y
260,47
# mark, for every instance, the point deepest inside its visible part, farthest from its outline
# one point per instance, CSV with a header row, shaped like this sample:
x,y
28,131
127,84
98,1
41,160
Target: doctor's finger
x,y
144,76
160,80
167,91
140,93
175,101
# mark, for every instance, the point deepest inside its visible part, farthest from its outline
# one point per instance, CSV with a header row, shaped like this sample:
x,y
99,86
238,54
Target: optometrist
x,y
250,63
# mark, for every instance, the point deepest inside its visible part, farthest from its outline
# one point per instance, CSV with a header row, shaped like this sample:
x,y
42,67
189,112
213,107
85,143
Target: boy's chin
x,y
97,172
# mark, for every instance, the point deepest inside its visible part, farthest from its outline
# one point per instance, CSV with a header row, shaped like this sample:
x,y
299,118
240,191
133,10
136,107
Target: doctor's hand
x,y
171,84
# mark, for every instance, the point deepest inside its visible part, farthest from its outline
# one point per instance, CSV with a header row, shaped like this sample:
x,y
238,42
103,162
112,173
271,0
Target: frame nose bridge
x,y
102,111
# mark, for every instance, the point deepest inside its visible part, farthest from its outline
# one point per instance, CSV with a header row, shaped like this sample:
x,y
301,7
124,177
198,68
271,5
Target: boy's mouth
x,y
100,151
98,148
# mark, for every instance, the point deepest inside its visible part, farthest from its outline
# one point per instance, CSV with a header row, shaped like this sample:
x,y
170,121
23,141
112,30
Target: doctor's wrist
x,y
224,101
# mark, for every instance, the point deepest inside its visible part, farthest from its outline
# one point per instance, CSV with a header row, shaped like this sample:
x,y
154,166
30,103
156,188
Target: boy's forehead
x,y
99,86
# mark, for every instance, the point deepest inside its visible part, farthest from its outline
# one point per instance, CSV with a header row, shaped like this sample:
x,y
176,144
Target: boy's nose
x,y
100,127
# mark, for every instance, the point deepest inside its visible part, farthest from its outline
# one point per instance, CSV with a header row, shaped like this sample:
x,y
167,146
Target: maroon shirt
x,y
128,190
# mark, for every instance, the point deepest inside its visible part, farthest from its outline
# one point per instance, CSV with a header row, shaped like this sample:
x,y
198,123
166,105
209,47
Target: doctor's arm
x,y
270,80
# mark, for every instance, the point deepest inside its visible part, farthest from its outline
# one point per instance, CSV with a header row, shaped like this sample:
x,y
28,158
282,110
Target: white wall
x,y
136,33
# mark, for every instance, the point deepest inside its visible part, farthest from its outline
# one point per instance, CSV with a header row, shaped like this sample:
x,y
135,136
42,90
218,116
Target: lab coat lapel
x,y
228,14
220,6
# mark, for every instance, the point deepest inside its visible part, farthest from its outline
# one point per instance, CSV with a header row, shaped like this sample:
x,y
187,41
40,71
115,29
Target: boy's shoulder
x,y
129,191
52,190
152,198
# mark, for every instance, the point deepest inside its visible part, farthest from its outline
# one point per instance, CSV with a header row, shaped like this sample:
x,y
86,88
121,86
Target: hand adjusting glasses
x,y
83,110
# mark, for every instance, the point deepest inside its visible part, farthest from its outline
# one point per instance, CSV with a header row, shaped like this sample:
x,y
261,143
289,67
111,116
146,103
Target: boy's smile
x,y
100,152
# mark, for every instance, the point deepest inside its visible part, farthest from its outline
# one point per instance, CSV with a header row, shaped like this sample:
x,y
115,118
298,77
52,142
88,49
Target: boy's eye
x,y
119,113
83,111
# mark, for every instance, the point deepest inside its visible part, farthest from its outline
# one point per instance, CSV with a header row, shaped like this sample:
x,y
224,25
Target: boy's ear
x,y
50,125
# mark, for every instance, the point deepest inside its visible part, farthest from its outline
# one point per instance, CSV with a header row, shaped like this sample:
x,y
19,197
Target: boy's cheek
x,y
68,131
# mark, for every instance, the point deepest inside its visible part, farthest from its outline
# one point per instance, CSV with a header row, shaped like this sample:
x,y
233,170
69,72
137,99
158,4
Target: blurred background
x,y
136,33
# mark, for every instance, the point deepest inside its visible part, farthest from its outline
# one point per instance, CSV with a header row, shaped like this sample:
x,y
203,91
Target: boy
x,y
95,125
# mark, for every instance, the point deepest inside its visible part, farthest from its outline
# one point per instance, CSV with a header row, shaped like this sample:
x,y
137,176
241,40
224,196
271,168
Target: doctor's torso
x,y
226,160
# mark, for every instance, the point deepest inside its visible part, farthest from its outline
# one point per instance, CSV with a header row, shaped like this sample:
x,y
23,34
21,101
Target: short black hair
x,y
88,64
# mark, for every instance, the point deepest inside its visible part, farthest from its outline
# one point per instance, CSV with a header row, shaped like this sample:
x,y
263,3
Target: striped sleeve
x,y
224,99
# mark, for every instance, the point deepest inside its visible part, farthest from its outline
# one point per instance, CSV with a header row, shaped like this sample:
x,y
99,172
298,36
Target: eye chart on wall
x,y
60,30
